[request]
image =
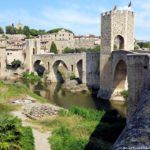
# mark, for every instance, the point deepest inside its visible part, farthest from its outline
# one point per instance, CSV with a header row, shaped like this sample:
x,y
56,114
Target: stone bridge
x,y
136,134
85,66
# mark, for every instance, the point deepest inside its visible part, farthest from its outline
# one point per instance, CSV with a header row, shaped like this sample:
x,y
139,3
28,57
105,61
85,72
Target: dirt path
x,y
40,138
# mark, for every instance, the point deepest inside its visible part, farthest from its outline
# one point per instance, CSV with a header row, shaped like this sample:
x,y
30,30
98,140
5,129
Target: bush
x,y
30,77
10,133
62,139
13,136
27,139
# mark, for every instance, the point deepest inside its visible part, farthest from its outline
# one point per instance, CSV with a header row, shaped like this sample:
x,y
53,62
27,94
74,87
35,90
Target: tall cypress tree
x,y
53,48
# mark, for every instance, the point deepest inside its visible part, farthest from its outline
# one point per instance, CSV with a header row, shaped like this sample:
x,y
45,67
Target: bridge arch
x,y
60,70
39,68
120,78
118,42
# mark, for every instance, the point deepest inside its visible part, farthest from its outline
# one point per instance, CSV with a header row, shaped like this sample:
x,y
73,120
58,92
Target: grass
x,y
73,129
27,139
12,134
81,128
11,91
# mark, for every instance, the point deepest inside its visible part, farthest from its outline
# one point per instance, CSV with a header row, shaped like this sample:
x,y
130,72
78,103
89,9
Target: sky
x,y
80,16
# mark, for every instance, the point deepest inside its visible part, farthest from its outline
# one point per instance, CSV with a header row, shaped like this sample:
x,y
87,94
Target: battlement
x,y
112,12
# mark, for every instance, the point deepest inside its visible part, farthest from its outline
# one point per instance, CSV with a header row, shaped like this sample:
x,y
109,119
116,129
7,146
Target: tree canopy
x,y
79,50
53,48
1,30
144,44
11,29
56,30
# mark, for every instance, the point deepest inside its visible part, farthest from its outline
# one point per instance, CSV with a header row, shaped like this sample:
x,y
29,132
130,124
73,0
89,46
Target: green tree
x,y
96,48
34,32
19,31
53,48
40,32
26,31
1,30
11,30
68,50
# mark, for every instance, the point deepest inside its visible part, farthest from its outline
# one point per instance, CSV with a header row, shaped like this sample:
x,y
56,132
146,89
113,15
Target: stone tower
x,y
19,25
32,48
117,26
117,33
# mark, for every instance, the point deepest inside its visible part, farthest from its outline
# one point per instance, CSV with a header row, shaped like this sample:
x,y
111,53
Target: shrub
x,y
27,139
13,136
30,77
15,64
63,139
10,133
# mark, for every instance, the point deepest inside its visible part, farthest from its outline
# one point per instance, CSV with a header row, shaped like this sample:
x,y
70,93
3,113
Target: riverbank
x,y
75,128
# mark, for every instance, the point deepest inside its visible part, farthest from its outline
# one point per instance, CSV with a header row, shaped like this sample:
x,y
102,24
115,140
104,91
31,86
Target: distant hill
x,y
58,29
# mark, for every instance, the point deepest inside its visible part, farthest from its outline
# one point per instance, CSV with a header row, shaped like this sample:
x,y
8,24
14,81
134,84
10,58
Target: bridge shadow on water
x,y
108,129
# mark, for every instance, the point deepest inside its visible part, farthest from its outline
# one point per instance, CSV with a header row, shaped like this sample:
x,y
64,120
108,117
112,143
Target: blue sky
x,y
81,16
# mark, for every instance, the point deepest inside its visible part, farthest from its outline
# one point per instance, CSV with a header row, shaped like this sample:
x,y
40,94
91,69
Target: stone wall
x,y
92,70
137,68
137,131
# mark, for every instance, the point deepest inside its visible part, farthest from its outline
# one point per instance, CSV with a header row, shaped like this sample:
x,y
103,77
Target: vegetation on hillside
x,y
79,50
144,44
53,48
58,29
11,29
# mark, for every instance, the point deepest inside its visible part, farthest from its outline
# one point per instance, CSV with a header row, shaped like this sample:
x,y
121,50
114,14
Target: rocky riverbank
x,y
74,87
37,111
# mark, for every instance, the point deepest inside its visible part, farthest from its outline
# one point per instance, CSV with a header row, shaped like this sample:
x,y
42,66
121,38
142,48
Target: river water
x,y
58,96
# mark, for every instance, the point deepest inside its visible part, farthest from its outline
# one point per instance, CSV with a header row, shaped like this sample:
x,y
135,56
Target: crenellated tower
x,y
117,30
117,33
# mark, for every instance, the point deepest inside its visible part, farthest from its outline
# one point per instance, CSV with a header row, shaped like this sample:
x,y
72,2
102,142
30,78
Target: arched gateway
x,y
120,83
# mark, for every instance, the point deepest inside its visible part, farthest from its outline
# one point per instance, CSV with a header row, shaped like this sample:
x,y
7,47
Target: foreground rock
x,y
37,111
74,87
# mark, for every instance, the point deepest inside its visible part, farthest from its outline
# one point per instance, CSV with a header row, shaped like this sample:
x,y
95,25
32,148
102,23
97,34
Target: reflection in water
x,y
58,96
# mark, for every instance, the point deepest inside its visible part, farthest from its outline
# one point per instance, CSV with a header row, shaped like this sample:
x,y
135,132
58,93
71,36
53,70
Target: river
x,y
60,97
